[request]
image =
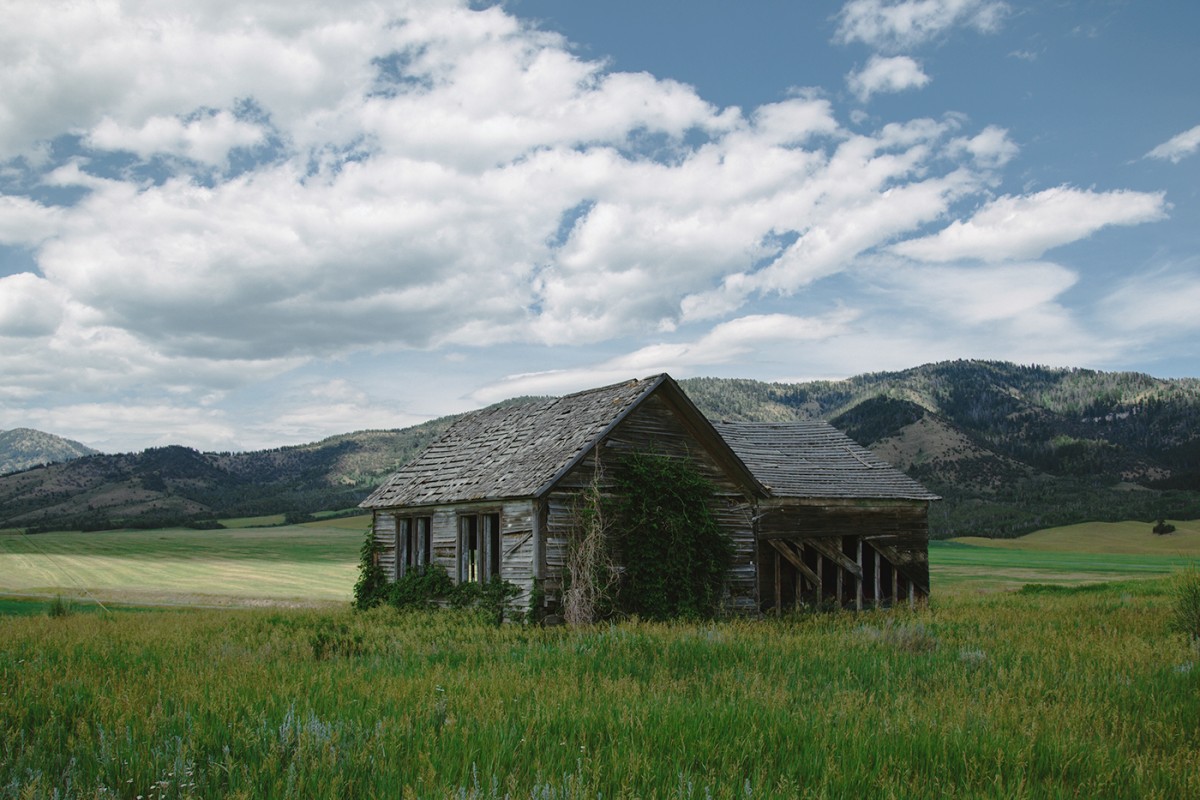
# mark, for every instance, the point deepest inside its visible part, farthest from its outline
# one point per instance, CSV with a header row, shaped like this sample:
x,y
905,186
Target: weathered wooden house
x,y
497,495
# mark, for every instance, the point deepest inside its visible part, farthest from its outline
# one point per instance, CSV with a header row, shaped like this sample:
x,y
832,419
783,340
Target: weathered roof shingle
x,y
510,451
812,459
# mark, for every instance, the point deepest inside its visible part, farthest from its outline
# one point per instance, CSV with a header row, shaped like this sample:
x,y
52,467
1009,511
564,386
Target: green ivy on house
x,y
674,555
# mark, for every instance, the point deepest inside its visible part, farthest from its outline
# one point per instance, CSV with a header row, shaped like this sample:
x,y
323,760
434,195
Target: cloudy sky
x,y
236,224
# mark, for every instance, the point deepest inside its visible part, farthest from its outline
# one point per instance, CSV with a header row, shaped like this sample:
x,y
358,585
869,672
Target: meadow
x,y
1037,694
306,564
1065,688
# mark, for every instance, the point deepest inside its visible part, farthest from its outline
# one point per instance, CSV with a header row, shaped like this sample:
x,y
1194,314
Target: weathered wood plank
x,y
794,560
834,553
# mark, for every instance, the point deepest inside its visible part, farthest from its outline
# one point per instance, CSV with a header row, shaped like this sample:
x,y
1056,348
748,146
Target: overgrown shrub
x,y
420,589
496,601
1163,527
590,573
675,555
371,588
431,587
912,637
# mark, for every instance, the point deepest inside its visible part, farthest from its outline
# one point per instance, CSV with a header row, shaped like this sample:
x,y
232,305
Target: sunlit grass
x,y
1080,694
1128,538
254,522
313,562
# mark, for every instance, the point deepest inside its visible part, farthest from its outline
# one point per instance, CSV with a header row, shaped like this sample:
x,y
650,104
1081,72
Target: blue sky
x,y
236,225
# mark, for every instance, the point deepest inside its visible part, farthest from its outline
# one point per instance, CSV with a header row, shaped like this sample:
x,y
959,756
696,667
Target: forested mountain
x,y
22,448
1010,448
177,485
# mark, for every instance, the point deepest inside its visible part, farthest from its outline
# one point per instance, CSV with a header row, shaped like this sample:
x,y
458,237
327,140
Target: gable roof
x,y
522,450
813,459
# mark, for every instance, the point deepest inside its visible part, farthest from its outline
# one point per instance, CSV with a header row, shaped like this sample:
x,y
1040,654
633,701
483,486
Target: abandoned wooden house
x,y
497,496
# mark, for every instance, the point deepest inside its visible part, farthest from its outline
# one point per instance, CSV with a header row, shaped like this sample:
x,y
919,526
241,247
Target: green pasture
x,y
1077,687
309,563
317,562
1071,555
997,695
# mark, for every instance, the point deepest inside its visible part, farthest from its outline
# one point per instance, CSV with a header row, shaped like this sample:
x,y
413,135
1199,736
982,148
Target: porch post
x,y
858,579
878,582
778,587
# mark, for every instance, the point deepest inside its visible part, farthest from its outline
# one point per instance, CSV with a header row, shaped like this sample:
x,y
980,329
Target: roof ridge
x,y
626,383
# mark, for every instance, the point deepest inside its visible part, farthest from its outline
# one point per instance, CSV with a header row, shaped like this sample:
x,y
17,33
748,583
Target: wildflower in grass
x,y
972,658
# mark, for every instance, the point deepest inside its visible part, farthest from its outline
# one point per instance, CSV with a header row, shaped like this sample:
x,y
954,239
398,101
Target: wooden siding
x,y
655,428
385,543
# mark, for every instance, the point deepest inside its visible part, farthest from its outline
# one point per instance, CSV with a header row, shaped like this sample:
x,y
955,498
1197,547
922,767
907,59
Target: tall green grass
x,y
1051,694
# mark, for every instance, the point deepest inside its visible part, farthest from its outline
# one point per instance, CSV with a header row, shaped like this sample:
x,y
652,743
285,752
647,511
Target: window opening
x,y
478,547
413,545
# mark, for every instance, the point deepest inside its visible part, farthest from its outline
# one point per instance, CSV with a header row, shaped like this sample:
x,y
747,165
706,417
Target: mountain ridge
x,y
1010,448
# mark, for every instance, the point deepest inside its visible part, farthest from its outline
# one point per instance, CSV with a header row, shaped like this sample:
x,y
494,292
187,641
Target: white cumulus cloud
x,y
894,74
29,306
1025,226
903,24
207,139
723,344
1178,147
413,178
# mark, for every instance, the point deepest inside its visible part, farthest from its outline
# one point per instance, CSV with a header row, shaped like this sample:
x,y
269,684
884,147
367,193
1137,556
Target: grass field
x,y
310,563
1047,692
1071,555
317,562
1004,695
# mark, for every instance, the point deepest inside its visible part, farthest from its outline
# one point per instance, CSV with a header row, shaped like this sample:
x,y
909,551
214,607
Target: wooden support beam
x,y
898,560
878,581
783,549
778,588
509,552
798,594
835,553
820,578
858,578
841,588
895,585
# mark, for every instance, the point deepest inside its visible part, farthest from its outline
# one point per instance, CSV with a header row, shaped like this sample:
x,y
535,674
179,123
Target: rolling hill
x,y
1011,449
178,485
22,448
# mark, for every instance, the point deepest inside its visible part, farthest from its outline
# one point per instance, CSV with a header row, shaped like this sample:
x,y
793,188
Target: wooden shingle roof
x,y
812,459
511,451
